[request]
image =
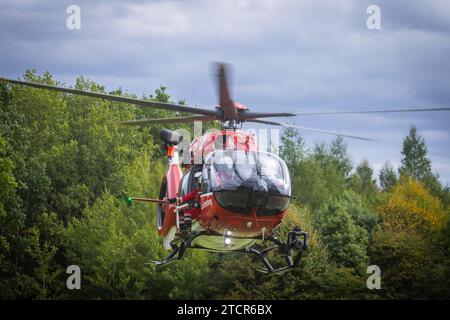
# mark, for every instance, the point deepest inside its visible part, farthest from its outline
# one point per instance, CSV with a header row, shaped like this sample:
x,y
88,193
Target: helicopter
x,y
244,193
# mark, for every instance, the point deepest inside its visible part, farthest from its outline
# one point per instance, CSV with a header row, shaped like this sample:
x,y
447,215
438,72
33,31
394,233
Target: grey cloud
x,y
290,55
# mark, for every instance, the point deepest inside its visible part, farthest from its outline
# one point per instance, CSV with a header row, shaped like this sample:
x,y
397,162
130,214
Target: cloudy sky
x,y
286,55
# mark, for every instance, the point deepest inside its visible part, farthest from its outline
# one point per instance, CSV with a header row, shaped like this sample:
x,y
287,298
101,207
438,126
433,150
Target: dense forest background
x,y
65,162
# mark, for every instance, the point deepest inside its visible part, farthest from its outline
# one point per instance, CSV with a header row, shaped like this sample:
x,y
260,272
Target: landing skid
x,y
177,249
296,242
292,250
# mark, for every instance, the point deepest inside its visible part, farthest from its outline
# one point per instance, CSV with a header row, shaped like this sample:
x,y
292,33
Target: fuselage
x,y
245,193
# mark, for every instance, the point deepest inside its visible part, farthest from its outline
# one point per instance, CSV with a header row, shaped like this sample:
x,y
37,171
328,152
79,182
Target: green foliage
x,y
12,221
388,178
406,245
414,160
126,239
360,210
416,164
346,241
443,241
346,214
65,163
43,280
310,184
340,157
362,181
292,146
68,155
320,175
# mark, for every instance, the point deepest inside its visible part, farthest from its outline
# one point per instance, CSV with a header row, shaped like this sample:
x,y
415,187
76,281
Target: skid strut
x,y
297,241
179,246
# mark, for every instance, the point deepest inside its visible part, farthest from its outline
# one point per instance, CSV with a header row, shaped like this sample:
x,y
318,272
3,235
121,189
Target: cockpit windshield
x,y
257,171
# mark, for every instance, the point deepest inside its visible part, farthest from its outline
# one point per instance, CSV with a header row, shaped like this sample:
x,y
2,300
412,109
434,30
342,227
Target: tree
x,y
292,151
411,207
43,241
310,184
346,241
360,210
341,158
292,146
362,181
406,246
414,162
8,183
60,152
321,175
444,239
112,245
12,222
387,176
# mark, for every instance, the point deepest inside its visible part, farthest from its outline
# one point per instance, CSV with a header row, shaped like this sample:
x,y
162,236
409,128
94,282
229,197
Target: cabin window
x,y
233,169
274,205
205,179
234,201
184,185
243,202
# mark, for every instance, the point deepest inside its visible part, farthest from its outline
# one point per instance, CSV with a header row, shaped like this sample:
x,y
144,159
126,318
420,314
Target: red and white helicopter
x,y
244,193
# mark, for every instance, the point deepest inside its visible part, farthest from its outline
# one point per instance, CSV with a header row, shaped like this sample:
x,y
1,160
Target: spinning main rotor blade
x,y
144,122
309,129
372,111
225,102
110,97
226,105
247,115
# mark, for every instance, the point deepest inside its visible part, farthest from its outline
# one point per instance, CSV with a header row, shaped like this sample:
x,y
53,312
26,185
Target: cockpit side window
x,y
184,184
206,186
192,172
